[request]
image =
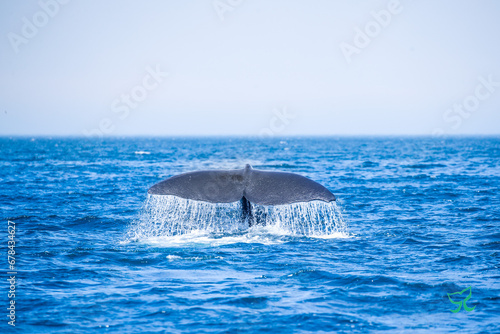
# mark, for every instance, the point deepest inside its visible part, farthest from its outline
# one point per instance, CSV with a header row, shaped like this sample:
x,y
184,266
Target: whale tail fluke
x,y
247,185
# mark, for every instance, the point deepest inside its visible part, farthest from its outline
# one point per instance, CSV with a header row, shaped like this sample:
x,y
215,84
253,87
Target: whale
x,y
247,185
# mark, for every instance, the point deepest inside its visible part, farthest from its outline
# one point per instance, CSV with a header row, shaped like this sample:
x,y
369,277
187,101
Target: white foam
x,y
204,239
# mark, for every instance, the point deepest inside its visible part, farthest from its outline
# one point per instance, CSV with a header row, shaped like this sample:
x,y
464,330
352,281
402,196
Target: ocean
x,y
412,243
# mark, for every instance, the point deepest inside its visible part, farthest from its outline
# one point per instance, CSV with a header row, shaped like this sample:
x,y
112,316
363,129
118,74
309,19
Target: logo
x,y
462,302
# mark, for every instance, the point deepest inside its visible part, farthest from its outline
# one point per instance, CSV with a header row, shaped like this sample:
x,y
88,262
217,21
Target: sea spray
x,y
171,216
312,219
167,216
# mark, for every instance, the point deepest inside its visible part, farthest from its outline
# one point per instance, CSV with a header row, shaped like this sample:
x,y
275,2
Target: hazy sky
x,y
249,67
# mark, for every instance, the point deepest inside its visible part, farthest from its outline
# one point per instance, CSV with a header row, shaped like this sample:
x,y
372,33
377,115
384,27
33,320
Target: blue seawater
x,y
416,219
